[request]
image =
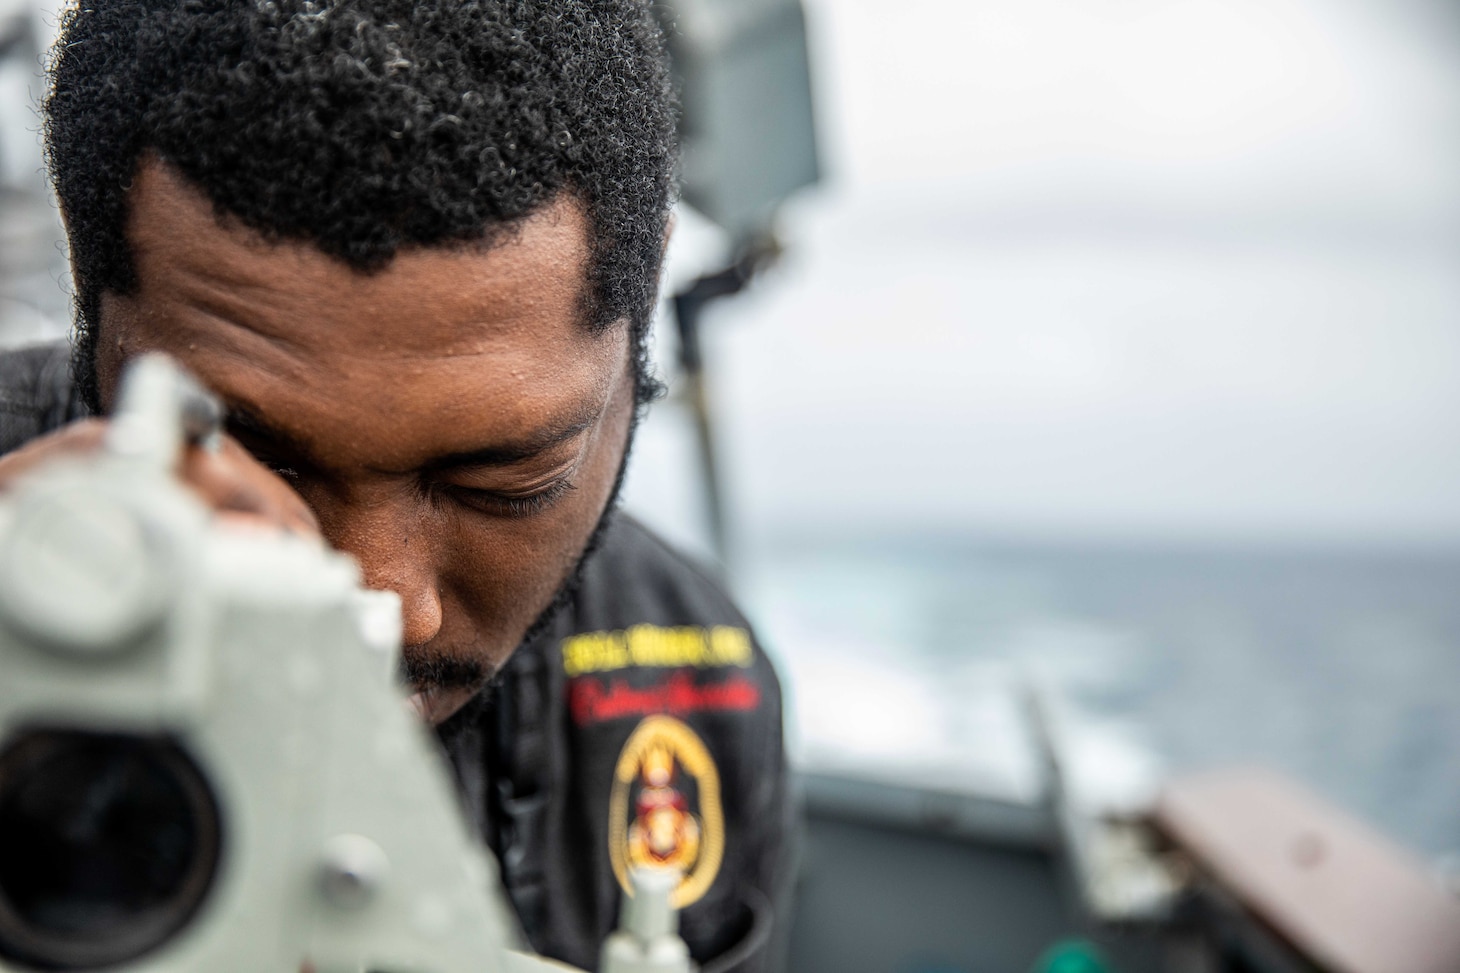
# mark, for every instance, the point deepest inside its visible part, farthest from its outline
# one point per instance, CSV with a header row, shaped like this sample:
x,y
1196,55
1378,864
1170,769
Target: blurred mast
x,y
688,305
748,141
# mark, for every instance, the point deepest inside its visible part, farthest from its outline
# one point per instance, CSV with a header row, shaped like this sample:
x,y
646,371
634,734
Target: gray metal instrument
x,y
205,763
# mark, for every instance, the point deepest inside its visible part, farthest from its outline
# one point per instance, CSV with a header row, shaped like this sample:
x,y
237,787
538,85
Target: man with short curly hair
x,y
415,247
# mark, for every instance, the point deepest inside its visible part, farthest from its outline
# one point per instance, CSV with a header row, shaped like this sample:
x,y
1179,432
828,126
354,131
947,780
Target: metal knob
x,y
647,939
352,870
80,572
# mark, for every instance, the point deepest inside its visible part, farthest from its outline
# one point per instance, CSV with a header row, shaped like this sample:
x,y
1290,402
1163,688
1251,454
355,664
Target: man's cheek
x,y
504,582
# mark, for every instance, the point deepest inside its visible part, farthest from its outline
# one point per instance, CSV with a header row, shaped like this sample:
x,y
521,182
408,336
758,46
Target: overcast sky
x,y
1135,268
1142,268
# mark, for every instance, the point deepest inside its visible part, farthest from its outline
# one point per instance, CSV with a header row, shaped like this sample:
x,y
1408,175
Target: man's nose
x,y
420,606
392,559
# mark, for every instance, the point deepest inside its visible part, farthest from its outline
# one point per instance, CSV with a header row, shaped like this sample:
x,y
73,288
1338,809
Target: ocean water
x,y
1340,668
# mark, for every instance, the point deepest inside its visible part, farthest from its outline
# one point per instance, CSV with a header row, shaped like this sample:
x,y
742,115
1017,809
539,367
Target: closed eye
x,y
505,504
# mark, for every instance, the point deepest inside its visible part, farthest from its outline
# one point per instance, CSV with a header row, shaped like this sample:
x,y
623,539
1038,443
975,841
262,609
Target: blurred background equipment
x,y
34,274
747,143
1117,345
748,130
1117,354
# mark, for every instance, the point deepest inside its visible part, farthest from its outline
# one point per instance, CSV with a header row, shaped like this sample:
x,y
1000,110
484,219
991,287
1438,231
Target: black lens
x,y
108,845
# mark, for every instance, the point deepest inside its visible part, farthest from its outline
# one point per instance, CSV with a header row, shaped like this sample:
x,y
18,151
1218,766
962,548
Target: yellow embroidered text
x,y
651,645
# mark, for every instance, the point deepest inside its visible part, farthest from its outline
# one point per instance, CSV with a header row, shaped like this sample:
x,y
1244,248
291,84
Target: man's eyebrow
x,y
505,454
242,419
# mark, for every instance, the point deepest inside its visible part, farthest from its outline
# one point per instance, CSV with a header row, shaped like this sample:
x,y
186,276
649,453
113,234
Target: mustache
x,y
428,672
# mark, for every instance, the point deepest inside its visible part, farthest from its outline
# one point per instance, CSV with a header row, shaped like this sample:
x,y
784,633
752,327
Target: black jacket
x,y
643,725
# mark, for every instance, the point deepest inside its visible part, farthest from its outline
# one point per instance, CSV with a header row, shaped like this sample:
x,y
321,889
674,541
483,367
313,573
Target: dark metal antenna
x,y
689,305
748,142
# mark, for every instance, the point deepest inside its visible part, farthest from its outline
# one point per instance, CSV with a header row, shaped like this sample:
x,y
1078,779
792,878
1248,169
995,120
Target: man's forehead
x,y
439,350
448,299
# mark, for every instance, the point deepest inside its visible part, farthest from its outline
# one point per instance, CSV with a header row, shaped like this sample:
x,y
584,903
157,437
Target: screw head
x,y
352,871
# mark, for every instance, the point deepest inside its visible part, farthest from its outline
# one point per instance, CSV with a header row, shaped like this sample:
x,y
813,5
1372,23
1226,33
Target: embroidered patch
x,y
592,700
655,646
664,810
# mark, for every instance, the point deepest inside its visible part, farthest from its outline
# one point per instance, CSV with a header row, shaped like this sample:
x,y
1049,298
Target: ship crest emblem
x,y
665,808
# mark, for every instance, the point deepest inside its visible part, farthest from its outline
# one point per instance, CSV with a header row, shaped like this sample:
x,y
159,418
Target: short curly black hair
x,y
368,126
